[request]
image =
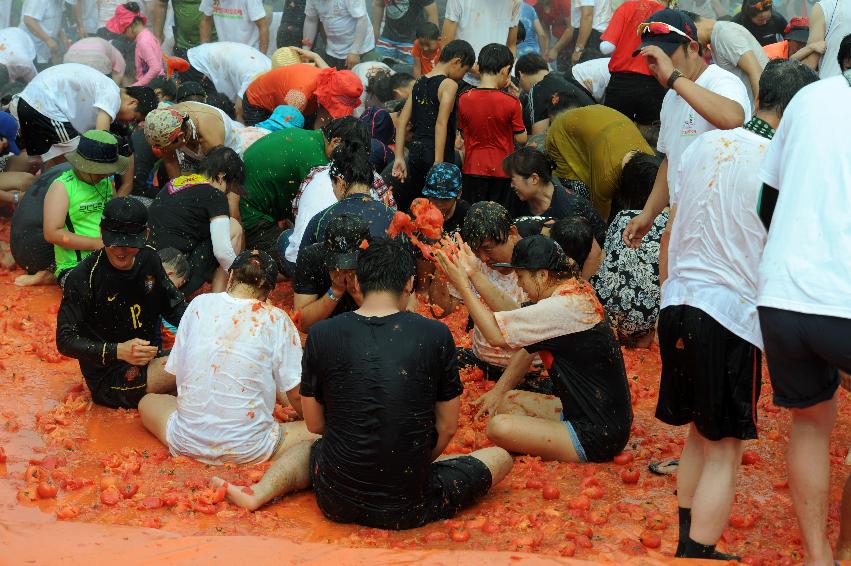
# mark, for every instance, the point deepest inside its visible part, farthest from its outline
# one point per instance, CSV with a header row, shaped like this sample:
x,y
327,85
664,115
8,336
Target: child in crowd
x,y
431,111
427,49
492,122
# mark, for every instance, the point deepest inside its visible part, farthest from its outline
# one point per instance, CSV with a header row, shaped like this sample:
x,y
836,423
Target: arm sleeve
x,y
152,55
108,99
222,246
287,370
311,385
206,7
450,385
733,88
615,30
453,10
310,10
607,48
70,340
556,316
515,13
36,9
729,45
357,8
256,10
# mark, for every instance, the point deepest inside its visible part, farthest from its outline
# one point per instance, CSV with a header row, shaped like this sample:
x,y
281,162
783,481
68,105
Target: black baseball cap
x,y
124,223
537,252
264,260
666,37
343,239
798,30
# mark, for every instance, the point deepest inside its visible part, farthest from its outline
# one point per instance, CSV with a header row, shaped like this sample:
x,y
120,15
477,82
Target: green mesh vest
x,y
85,207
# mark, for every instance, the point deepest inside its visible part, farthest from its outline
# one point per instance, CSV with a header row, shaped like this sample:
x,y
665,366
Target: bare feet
x,y
6,259
40,278
241,496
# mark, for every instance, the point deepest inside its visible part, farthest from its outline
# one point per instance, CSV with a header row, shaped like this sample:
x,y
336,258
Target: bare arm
x,y
446,94
450,30
514,372
431,14
126,186
511,42
803,53
263,28
541,126
313,308
439,296
656,203
562,41
543,37
400,167
294,397
663,246
205,28
55,211
314,415
377,17
446,423
158,11
493,296
78,19
817,33
418,68
585,22
521,138
311,25
749,64
720,111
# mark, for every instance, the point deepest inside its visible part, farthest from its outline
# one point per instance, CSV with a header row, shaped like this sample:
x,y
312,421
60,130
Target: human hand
x,y
637,229
305,55
338,283
659,62
136,352
400,169
818,47
53,45
511,89
353,289
576,56
468,260
352,59
453,270
552,54
488,403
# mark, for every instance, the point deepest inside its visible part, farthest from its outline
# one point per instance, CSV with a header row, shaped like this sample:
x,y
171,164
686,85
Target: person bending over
x,y
591,416
234,355
112,304
378,463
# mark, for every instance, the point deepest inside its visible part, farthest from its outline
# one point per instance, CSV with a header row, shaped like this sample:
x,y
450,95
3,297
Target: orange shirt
x,y
426,63
294,85
623,32
779,50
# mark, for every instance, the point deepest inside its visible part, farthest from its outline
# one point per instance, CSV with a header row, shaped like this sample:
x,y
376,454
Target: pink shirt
x,y
149,58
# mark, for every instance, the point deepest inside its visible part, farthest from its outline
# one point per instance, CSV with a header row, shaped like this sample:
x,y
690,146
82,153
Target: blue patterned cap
x,y
443,181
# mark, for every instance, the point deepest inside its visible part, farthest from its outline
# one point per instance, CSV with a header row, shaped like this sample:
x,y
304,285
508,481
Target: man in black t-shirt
x,y
112,305
541,84
382,386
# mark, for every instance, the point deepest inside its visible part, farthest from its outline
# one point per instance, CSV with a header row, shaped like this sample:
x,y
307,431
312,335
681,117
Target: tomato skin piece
x,y
151,502
657,522
568,549
630,475
594,492
436,536
170,498
46,490
745,521
28,494
67,512
108,481
203,508
460,535
110,496
534,484
490,528
749,457
152,523
581,503
550,492
584,541
35,474
624,458
128,490
651,539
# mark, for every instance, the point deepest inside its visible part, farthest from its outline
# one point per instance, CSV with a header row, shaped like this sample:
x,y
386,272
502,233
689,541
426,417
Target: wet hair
x,y
575,236
223,103
145,96
530,64
484,221
780,81
167,86
172,259
749,10
428,31
494,57
251,273
521,32
565,100
589,54
134,7
385,266
351,164
383,84
351,131
525,162
636,181
844,50
458,49
223,160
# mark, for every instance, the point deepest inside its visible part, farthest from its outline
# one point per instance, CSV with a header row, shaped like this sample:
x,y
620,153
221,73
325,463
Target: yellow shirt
x,y
588,144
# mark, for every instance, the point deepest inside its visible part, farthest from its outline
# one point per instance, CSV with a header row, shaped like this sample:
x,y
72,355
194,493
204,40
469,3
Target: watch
x,y
673,78
579,49
16,197
332,297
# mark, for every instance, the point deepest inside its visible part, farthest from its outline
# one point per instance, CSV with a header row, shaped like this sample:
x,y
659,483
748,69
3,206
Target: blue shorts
x,y
580,451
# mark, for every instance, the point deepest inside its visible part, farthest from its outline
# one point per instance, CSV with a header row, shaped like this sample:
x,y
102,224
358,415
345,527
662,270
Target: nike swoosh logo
x,y
112,298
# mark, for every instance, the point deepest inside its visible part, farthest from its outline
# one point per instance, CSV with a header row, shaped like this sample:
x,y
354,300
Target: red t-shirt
x,y
489,119
294,85
427,63
554,15
623,32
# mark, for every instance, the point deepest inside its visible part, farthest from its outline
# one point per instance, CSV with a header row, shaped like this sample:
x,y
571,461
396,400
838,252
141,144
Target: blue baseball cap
x,y
283,117
9,130
443,181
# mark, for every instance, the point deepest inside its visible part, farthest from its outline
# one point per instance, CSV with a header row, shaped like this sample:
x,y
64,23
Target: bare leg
x,y
546,407
535,436
159,380
155,410
40,278
843,545
808,460
690,468
498,461
713,498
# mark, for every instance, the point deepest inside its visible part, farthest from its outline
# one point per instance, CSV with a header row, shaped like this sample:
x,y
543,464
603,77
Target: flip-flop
x,y
664,468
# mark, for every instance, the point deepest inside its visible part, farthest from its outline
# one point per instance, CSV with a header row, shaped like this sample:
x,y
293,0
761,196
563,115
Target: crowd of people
x,y
603,174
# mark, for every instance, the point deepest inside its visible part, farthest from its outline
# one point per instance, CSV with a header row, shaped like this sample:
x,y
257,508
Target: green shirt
x,y
275,166
85,208
187,21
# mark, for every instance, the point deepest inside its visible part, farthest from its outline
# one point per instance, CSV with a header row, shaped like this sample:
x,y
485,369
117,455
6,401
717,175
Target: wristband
x,y
673,78
579,49
332,297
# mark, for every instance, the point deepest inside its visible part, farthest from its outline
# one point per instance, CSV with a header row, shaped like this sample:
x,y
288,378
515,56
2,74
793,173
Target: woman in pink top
x,y
130,22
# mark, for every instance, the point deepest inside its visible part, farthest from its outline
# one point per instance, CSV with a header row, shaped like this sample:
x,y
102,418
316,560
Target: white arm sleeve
x,y
220,235
607,47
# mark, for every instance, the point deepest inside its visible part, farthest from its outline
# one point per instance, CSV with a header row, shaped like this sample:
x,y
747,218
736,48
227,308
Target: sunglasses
x,y
660,28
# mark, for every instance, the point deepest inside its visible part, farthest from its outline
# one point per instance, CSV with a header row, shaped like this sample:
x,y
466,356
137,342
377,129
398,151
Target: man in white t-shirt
x,y
230,66
594,75
42,20
348,32
233,358
709,334
701,98
804,296
481,23
17,53
241,21
64,100
734,49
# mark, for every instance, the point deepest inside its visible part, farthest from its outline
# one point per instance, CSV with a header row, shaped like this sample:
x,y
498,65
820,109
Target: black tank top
x,y
424,111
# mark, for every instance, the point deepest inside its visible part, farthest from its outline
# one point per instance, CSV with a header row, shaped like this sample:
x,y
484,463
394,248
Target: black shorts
x,y
710,376
454,484
534,380
251,114
121,386
477,188
636,96
264,237
39,132
804,352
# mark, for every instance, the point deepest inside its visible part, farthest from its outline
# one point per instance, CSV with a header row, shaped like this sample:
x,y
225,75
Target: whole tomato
x,y
630,475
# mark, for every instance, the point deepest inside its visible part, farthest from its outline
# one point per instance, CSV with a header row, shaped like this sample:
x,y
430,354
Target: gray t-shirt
x,y
730,41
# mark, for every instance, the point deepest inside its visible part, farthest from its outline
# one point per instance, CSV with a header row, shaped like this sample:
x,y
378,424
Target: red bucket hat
x,y
122,19
338,92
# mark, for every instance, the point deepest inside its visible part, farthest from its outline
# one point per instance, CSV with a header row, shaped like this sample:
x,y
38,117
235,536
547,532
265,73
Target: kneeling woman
x,y
590,419
233,356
